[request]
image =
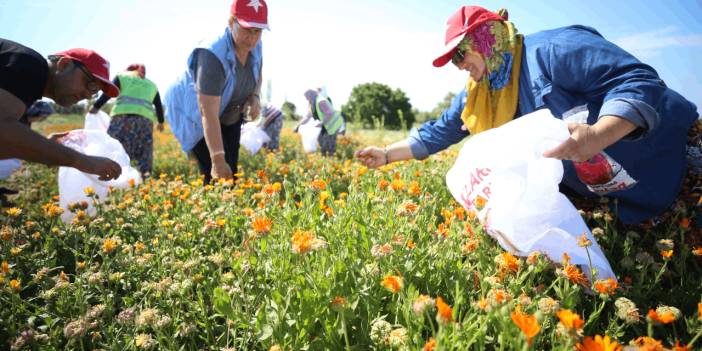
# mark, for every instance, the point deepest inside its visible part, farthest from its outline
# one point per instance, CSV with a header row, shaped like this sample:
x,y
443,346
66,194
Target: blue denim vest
x,y
182,111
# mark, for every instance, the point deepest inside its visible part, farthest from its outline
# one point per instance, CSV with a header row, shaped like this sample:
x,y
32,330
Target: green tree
x,y
376,103
423,116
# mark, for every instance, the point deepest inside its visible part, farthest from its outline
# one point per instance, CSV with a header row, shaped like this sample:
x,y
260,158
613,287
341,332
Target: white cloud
x,y
650,44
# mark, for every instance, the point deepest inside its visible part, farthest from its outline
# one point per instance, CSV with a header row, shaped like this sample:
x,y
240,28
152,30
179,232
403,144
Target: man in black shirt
x,y
67,77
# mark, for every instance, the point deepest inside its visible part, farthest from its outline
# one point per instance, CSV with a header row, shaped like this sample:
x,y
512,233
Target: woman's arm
x,y
209,108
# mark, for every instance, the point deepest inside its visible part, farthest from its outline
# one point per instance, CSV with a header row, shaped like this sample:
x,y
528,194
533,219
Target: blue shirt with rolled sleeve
x,y
575,69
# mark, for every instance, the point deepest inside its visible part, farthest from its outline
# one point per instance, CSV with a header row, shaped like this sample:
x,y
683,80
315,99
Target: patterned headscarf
x,y
139,68
495,41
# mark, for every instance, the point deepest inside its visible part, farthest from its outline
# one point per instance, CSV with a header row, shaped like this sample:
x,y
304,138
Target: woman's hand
x,y
220,168
587,141
254,107
372,156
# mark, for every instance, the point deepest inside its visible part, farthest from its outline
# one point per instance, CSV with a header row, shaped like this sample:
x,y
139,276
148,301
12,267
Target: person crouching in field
x,y
66,77
612,101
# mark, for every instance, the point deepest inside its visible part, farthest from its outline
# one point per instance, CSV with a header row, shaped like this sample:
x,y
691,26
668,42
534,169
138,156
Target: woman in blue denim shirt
x,y
628,130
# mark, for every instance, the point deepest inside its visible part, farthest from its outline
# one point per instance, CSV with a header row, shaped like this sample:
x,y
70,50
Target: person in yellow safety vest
x,y
136,108
321,108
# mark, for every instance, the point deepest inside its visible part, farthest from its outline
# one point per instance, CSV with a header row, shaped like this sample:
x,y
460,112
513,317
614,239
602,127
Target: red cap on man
x,y
96,64
251,13
462,22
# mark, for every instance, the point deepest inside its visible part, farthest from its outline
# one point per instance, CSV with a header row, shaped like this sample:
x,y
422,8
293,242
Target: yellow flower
x,y
414,189
667,254
13,212
304,241
15,285
392,283
606,287
89,191
570,320
108,245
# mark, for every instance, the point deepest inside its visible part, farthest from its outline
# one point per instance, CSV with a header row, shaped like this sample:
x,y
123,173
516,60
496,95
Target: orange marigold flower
x,y
699,310
406,208
570,320
382,184
339,303
648,343
667,254
5,267
679,347
507,262
430,345
444,313
606,287
414,188
304,241
685,223
584,241
397,185
697,251
261,225
526,322
392,282
598,344
442,230
663,317
575,275
319,184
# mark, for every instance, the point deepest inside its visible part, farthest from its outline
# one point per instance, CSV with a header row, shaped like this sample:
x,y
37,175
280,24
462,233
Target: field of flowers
x,y
312,253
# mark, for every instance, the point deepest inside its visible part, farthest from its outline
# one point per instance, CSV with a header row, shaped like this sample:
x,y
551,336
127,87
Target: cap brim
x,y
108,87
448,52
247,24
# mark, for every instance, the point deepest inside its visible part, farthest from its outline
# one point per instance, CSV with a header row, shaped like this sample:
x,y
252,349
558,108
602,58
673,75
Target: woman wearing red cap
x,y
207,104
133,115
612,101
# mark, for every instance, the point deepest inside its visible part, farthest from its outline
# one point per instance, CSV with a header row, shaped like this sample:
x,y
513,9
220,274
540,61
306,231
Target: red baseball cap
x,y
96,64
139,68
462,22
251,13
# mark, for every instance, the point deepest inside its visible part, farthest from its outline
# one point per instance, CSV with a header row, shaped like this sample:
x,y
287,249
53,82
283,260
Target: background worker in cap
x,y
67,77
207,104
133,114
613,102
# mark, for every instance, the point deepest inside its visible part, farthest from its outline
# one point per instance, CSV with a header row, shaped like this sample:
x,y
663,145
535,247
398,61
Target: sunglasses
x,y
458,57
92,85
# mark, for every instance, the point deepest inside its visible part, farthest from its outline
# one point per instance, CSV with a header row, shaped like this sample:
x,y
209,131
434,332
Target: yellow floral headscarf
x,y
492,101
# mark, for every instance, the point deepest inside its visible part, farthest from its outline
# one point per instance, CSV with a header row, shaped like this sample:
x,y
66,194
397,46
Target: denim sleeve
x,y
583,62
637,112
437,135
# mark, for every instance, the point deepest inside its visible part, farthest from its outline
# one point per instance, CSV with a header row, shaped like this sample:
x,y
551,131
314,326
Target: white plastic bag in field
x,y
97,121
501,175
253,137
309,132
73,182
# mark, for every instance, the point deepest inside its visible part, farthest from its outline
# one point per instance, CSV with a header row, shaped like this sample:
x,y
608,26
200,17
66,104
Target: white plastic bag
x,y
97,121
9,166
253,137
501,175
72,182
309,132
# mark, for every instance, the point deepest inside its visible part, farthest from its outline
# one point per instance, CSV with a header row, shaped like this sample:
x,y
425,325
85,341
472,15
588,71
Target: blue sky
x,y
339,44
